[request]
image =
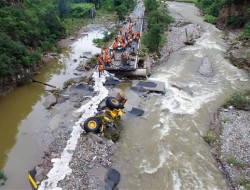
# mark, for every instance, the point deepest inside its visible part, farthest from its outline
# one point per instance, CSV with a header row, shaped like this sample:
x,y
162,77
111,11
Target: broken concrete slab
x,y
150,85
111,81
114,175
136,111
82,89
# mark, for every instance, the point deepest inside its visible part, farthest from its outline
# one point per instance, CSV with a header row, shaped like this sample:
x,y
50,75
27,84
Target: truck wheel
x,y
92,124
113,103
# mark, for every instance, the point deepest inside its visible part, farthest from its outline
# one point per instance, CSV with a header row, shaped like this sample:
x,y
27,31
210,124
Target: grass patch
x,y
108,36
245,183
225,120
92,60
98,42
210,19
233,161
3,178
239,101
73,25
210,137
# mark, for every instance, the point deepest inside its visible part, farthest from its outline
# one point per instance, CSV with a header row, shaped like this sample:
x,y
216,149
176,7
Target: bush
x,y
210,137
92,60
239,101
231,160
157,21
245,183
236,22
98,42
210,19
246,32
79,10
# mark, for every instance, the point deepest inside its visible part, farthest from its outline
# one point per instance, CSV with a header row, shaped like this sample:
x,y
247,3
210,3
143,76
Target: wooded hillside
x,y
30,27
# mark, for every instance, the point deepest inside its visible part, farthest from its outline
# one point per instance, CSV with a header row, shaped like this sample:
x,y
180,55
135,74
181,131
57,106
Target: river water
x,y
164,149
24,131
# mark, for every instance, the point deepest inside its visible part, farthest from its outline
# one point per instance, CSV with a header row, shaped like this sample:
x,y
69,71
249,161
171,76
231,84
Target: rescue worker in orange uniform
x,y
100,59
115,45
100,69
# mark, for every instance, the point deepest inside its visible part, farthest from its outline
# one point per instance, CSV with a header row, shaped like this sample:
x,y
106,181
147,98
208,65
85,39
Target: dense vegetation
x,y
29,28
158,20
211,9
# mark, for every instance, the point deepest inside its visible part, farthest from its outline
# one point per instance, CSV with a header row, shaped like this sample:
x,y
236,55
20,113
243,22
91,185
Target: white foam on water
x,y
199,54
176,180
146,166
157,126
209,42
165,120
61,165
179,102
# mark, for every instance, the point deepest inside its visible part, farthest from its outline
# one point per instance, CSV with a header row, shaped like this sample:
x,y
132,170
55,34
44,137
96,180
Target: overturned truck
x,y
110,109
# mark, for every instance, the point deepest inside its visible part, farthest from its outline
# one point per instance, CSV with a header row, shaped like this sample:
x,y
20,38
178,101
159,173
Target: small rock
x,y
77,114
50,101
114,175
96,138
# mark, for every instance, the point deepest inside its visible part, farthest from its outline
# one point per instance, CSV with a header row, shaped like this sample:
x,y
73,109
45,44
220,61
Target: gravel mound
x,y
232,149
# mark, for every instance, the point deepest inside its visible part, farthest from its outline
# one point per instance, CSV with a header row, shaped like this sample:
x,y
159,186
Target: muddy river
x,y
164,149
24,132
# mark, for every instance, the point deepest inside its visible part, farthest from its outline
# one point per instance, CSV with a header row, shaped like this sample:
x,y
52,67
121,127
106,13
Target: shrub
x,y
79,10
210,19
236,22
239,101
210,137
245,183
233,161
246,32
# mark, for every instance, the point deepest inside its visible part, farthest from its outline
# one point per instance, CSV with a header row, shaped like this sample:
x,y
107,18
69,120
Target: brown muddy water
x,y
24,132
164,149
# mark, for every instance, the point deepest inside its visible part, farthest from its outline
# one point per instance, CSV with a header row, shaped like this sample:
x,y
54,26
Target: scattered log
x,y
33,80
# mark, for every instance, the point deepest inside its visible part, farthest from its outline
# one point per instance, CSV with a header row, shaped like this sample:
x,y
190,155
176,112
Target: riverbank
x,y
239,49
229,140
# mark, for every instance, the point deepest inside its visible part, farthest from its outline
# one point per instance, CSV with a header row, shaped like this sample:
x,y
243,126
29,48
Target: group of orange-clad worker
x,y
122,41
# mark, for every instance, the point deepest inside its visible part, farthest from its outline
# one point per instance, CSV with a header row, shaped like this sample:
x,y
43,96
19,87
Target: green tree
x,y
151,5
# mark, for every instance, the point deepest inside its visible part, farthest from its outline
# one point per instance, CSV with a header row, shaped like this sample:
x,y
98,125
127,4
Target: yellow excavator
x,y
110,109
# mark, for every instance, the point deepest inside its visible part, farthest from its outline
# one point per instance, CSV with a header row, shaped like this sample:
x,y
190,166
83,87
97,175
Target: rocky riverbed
x,y
91,162
229,140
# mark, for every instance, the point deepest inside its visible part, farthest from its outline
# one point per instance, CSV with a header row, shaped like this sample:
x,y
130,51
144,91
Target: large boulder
x,y
206,68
